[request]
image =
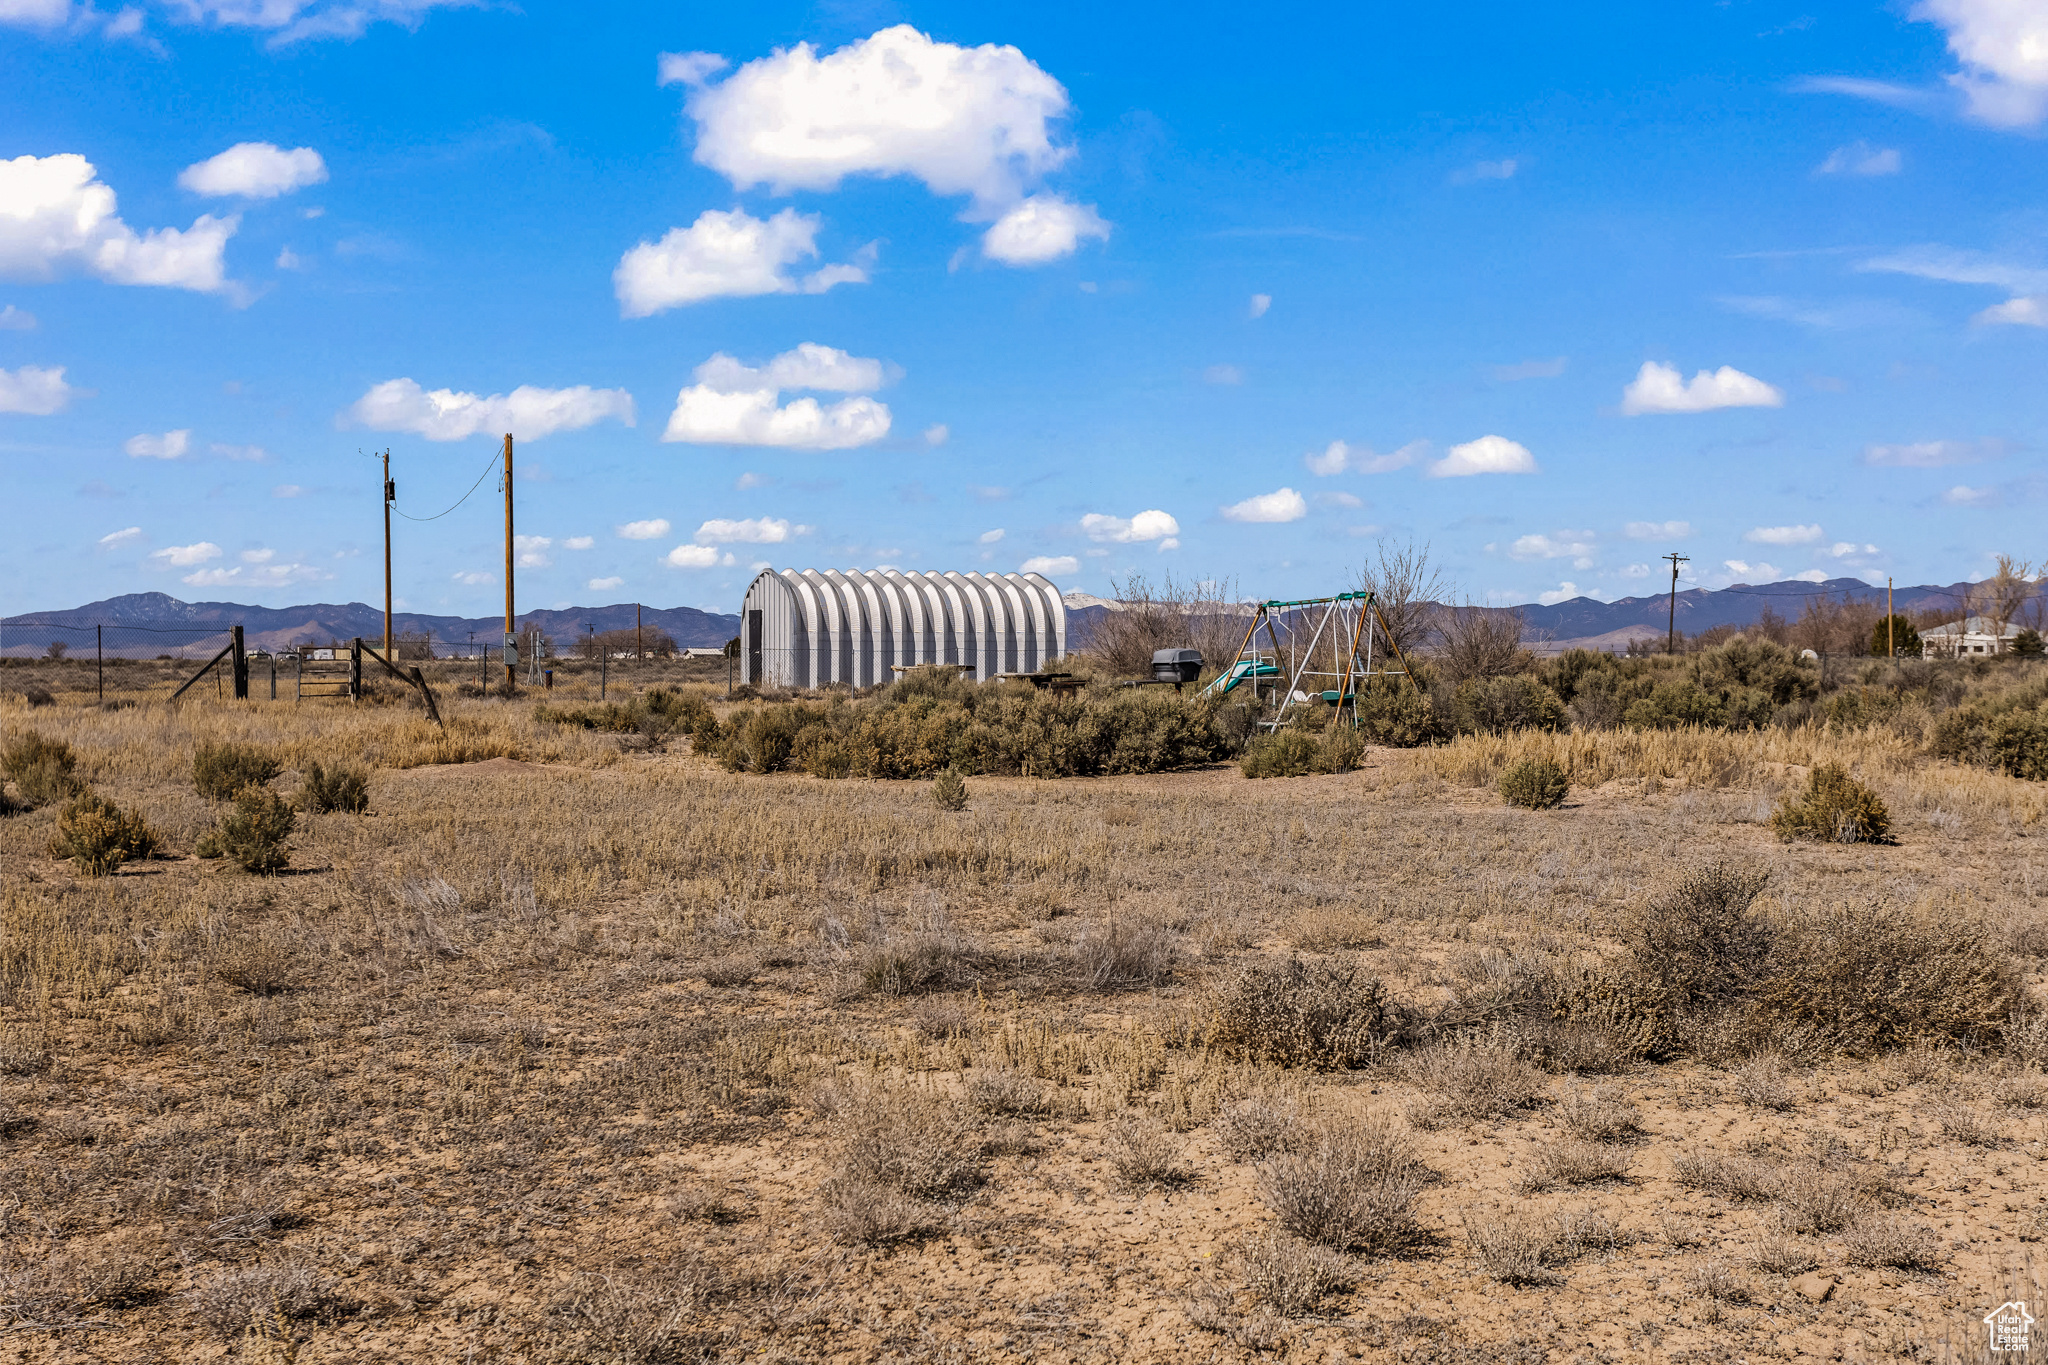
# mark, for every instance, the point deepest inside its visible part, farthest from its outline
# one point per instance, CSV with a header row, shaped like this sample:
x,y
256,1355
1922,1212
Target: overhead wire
x,y
491,464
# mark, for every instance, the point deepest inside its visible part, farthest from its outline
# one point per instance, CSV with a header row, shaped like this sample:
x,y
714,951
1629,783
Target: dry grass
x,y
579,1057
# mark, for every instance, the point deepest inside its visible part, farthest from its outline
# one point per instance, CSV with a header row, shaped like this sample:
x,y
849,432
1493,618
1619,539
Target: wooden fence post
x,y
355,668
241,664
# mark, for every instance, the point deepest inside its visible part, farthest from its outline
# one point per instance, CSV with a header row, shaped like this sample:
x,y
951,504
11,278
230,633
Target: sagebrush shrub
x,y
253,834
1834,808
1535,784
98,836
1290,1276
949,791
1297,753
1324,1016
1703,941
1353,1190
343,787
1471,1078
220,771
42,768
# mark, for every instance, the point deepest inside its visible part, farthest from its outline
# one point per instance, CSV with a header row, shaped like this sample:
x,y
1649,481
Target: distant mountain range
x,y
277,627
1581,620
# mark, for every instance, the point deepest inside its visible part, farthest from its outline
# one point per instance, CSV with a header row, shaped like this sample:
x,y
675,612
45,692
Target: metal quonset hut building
x,y
809,627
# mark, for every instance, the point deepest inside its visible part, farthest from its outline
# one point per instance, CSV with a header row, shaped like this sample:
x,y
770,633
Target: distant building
x,y
704,652
1977,635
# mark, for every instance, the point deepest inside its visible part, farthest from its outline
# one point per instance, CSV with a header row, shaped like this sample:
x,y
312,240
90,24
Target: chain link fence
x,y
85,662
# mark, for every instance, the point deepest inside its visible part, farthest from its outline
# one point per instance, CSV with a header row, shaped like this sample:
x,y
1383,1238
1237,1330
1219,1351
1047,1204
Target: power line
x,y
488,467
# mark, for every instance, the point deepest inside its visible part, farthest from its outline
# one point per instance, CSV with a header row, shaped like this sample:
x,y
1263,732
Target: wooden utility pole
x,y
390,495
1891,630
1671,633
639,653
511,645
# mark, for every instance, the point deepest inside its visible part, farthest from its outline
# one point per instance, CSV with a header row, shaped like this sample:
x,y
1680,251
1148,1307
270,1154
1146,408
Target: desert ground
x,y
575,1049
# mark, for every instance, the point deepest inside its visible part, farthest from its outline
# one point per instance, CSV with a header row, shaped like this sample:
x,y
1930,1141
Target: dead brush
x,y
1964,1122
1776,1252
1602,1115
1144,1154
1261,1124
1511,1248
1324,1016
1735,1178
1760,1083
1718,1282
1353,1190
64,1282
1005,1093
1470,1079
1575,1162
1122,956
1289,1276
229,1302
922,1144
1889,1242
1585,1232
262,965
1816,1199
935,958
649,1314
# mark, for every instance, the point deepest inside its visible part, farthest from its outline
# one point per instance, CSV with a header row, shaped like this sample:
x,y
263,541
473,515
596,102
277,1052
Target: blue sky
x,y
1225,292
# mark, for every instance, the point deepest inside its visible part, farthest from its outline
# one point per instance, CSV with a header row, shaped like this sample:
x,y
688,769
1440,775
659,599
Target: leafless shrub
x,y
1964,1122
1007,1093
264,964
1701,940
1776,1253
1576,1162
1145,1154
64,1283
1888,1241
1602,1115
1355,1189
1815,1199
1760,1083
230,1302
1117,955
1407,590
1469,1079
920,1144
1479,642
2020,1090
738,970
869,1214
1216,1311
1260,1124
1510,1248
1323,1016
911,964
1729,1177
23,1053
642,1317
1717,1280
1190,614
1582,1232
1290,1276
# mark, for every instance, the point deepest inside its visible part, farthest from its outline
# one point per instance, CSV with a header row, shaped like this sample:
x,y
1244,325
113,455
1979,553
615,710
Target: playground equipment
x,y
1314,642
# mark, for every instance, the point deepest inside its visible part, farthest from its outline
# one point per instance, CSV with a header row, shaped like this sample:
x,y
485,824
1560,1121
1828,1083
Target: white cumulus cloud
x,y
726,255
604,584
475,579
1563,592
752,531
687,68
56,217
937,434
1487,455
533,551
990,537
1340,457
1050,565
1784,535
172,445
1962,495
696,557
579,542
736,404
527,412
263,575
1282,504
653,528
963,120
1577,546
1137,530
1758,572
185,556
1260,303
34,391
1657,530
124,536
2003,48
1860,158
14,319
1043,228
1660,388
255,170
34,13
